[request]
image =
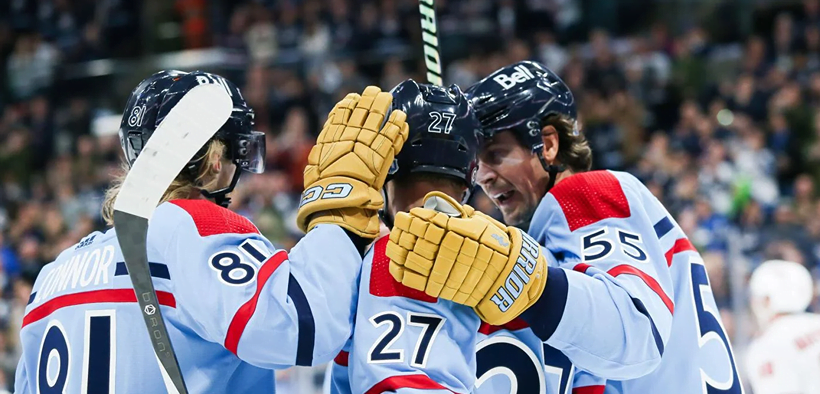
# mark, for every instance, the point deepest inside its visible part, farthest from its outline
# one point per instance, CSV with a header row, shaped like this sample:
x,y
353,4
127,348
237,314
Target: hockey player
x,y
625,297
406,341
785,358
236,308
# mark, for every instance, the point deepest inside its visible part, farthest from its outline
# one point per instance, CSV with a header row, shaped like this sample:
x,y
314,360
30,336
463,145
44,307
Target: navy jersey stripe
x,y
642,308
253,251
158,270
307,327
663,227
544,316
31,297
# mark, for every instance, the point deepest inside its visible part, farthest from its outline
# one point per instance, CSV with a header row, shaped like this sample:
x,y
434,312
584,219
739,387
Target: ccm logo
x,y
520,74
513,286
334,190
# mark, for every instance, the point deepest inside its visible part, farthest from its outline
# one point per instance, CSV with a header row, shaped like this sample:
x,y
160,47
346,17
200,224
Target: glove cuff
x,y
338,193
361,222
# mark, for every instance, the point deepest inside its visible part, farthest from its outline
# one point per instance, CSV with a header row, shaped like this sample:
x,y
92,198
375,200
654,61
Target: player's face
x,y
512,176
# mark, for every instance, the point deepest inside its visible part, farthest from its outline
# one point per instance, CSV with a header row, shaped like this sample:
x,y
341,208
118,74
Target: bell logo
x,y
520,74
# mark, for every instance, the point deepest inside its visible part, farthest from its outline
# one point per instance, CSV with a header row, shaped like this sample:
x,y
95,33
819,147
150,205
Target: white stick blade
x,y
187,127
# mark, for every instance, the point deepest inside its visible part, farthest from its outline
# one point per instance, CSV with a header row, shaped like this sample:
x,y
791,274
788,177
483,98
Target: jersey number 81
x,y
98,357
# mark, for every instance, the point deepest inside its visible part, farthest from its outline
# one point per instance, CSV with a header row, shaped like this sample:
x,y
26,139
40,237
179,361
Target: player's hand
x,y
455,253
347,167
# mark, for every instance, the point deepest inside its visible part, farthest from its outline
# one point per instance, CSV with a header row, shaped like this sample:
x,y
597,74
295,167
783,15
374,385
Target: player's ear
x,y
549,136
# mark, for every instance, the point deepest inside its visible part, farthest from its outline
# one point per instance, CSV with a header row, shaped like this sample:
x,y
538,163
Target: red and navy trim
x,y
639,306
92,297
246,311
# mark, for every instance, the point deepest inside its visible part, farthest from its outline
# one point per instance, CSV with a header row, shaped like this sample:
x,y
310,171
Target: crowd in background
x,y
724,127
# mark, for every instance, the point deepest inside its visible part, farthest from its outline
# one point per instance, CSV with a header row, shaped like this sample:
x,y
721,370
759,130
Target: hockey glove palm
x,y
347,167
455,253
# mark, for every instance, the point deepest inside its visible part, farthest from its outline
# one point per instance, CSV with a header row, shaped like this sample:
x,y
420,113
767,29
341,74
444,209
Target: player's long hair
x,y
573,147
182,187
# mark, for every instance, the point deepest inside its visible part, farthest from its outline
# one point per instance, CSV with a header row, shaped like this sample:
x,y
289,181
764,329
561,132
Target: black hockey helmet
x,y
444,132
154,98
519,97
444,135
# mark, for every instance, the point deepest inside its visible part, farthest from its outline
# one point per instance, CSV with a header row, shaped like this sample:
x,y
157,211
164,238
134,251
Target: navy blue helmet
x,y
518,98
154,98
444,132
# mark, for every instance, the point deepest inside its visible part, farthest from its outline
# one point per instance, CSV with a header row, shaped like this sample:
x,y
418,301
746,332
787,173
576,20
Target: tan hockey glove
x,y
455,253
347,167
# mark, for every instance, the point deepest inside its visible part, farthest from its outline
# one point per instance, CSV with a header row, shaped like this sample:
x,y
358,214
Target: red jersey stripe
x,y
581,267
92,297
515,324
342,358
648,280
393,383
245,312
681,245
589,390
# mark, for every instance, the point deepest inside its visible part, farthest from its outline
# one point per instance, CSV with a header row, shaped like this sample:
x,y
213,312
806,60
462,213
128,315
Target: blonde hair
x,y
182,186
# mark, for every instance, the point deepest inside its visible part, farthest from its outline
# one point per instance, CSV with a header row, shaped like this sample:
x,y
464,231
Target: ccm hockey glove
x,y
455,253
349,163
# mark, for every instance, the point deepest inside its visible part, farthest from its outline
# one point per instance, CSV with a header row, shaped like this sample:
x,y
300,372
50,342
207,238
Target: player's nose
x,y
485,175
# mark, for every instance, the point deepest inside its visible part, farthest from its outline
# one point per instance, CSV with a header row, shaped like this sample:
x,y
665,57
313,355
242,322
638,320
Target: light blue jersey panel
x,y
235,308
631,301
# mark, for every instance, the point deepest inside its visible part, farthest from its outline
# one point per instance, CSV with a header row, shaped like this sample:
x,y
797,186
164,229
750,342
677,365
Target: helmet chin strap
x,y
220,197
385,216
552,169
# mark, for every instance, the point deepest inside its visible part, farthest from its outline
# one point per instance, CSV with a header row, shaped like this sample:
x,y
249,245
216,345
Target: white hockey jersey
x,y
785,359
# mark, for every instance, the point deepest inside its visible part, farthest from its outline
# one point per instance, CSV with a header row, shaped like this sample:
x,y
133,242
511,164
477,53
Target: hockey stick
x,y
429,34
186,128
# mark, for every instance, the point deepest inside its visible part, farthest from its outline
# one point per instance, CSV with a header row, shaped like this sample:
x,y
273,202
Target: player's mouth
x,y
502,199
